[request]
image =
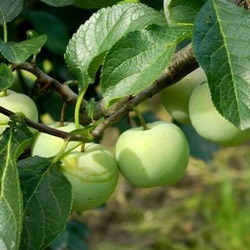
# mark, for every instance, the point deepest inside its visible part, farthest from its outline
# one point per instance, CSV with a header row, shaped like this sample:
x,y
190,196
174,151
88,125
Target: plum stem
x,y
141,118
5,31
63,152
83,147
78,107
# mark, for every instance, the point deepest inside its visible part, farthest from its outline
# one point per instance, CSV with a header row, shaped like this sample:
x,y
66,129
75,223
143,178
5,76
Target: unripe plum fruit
x,y
17,102
175,98
209,123
93,175
153,157
46,145
93,172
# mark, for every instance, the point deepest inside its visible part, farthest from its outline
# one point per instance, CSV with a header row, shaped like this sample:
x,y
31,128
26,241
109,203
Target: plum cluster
x,y
156,154
189,101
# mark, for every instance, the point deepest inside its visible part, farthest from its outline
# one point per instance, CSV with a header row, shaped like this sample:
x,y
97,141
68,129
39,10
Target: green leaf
x,y
6,77
86,131
182,11
9,9
57,3
20,52
57,34
12,144
47,201
75,237
138,59
221,44
91,108
88,46
93,4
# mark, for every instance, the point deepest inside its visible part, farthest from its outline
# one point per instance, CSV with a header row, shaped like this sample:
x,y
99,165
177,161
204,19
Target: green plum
x,y
93,175
17,102
175,98
156,156
46,145
92,170
209,123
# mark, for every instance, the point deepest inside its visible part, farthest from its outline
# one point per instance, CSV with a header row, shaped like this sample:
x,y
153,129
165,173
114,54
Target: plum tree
x,y
94,62
153,157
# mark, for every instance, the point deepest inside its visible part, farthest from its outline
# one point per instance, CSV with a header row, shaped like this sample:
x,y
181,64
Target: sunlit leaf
x,y
95,37
20,52
138,59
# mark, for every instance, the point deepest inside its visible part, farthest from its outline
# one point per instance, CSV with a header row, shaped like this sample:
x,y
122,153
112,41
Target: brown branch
x,y
63,89
182,64
46,129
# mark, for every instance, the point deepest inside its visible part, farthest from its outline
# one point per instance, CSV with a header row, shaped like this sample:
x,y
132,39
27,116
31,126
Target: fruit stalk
x,y
141,118
182,64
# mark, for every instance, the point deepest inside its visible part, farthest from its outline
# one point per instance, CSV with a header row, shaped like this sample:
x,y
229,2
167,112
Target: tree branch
x,y
182,64
46,129
63,89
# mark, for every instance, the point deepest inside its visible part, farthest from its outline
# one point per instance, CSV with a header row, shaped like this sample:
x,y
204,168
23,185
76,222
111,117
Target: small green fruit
x,y
209,123
93,175
17,102
175,98
154,157
46,145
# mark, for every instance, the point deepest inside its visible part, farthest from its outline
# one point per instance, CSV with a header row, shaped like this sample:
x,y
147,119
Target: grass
x,y
230,214
207,209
